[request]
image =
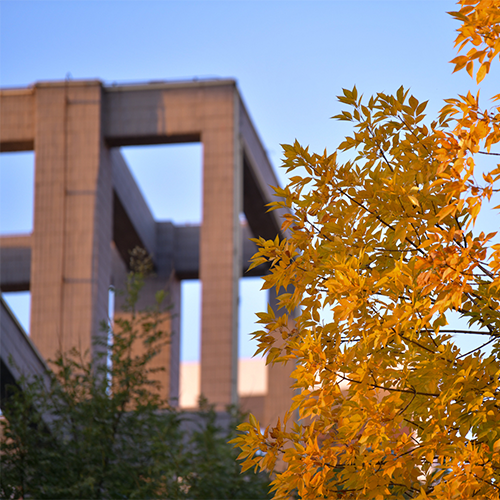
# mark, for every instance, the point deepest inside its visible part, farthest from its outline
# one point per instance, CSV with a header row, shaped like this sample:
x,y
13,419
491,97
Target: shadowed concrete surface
x,y
18,356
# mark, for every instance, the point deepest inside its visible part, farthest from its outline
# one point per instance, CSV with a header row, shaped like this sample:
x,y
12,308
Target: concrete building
x,y
89,214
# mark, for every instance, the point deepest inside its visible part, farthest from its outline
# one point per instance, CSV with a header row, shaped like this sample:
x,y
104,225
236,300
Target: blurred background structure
x,y
89,216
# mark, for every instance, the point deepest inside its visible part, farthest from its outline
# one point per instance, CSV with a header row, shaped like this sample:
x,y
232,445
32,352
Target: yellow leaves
x,y
459,62
496,446
478,21
379,251
474,207
447,210
413,200
349,97
483,71
253,421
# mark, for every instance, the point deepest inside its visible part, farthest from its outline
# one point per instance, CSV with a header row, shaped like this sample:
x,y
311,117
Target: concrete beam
x,y
258,178
178,249
17,119
15,263
185,244
220,247
133,223
160,113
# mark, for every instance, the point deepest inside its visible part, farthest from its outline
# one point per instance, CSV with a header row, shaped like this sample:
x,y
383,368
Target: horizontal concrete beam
x,y
159,113
17,121
134,114
15,263
179,249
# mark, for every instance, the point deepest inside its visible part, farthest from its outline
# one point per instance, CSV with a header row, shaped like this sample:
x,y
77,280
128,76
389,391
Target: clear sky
x,y
290,58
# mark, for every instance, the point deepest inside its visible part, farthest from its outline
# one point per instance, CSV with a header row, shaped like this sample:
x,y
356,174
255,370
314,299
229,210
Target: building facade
x,y
89,214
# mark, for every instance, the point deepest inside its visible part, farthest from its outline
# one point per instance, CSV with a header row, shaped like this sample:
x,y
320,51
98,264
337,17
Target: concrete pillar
x,y
279,392
220,252
70,272
167,361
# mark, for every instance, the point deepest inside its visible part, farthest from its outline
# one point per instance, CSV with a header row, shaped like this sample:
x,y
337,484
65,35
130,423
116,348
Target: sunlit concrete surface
x,y
89,214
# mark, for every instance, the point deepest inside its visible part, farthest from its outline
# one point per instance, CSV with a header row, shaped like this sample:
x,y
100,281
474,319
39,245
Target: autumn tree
x,y
382,253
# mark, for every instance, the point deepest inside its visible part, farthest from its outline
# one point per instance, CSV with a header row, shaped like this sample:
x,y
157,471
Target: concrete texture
x,y
89,214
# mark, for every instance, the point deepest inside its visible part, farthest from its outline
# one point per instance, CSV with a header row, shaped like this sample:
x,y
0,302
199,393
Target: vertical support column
x,y
72,233
279,392
174,347
220,251
167,360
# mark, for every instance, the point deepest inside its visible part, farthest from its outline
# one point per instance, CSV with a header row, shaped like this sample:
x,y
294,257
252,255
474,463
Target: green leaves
x,y
109,434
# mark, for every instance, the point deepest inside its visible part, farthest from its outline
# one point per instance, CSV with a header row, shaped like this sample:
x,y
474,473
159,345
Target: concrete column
x,y
167,360
279,392
70,272
220,253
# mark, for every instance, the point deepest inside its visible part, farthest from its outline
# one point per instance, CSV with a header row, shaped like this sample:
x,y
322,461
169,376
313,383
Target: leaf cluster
x,y
479,27
382,252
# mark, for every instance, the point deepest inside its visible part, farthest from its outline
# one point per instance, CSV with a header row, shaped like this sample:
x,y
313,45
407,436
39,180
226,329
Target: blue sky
x,y
291,58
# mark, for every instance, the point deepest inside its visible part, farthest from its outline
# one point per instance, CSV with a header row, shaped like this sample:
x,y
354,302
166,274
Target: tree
x,y
101,429
382,251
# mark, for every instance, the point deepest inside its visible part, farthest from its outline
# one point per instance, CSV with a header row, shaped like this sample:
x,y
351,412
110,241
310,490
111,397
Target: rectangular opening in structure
x,y
170,179
17,182
189,389
20,304
252,301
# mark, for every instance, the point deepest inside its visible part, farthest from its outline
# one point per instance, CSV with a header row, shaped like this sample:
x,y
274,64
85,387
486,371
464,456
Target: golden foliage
x,y
384,246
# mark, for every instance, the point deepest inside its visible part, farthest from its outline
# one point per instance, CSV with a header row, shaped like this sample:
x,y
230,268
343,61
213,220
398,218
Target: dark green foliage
x,y
100,430
215,470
